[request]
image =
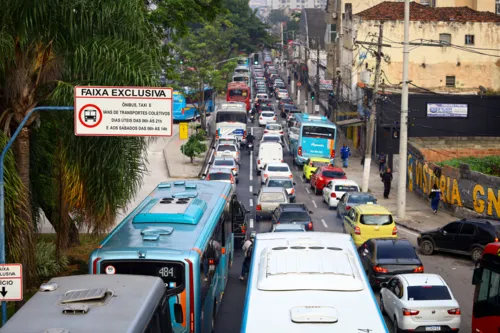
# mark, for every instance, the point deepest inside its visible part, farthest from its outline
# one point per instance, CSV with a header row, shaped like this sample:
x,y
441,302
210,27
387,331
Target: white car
x,y
282,93
228,139
262,96
267,117
228,150
273,129
276,170
422,302
336,188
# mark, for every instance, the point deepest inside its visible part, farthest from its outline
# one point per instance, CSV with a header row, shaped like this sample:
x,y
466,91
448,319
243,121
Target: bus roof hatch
x,y
180,208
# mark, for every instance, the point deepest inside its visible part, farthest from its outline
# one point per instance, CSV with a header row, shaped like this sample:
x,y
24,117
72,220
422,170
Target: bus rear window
x,y
318,132
230,116
238,92
172,273
428,293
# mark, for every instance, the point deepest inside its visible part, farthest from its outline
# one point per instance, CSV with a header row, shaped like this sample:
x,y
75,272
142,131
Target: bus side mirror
x,y
476,276
178,315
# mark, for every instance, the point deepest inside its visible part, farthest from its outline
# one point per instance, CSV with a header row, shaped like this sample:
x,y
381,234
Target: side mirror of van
x,y
178,315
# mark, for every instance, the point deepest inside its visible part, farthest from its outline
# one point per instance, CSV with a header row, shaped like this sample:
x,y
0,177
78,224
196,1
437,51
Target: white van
x,y
269,152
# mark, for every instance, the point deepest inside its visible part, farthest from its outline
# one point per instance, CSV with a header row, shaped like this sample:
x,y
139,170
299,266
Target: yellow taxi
x,y
365,222
312,164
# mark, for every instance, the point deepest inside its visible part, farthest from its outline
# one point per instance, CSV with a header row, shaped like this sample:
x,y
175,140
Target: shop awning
x,y
350,122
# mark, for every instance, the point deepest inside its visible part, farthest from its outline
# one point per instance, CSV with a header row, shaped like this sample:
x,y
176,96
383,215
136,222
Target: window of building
x,y
498,6
450,81
469,39
445,38
333,33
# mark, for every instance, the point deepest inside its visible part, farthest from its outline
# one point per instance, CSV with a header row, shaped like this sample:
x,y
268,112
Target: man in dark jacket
x,y
387,179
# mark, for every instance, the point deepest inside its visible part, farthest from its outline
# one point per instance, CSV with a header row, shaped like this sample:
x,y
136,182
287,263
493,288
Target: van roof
x,y
120,303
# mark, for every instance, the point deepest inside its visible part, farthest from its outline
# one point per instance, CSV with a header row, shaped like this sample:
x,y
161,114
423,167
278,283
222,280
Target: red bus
x,y
238,92
486,304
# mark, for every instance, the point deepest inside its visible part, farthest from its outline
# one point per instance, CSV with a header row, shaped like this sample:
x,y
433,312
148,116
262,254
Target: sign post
x,y
123,111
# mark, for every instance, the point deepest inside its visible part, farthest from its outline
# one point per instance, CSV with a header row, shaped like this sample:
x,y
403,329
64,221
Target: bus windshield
x,y
318,132
231,116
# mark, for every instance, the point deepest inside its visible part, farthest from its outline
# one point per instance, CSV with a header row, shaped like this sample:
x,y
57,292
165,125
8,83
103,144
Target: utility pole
x,y
317,75
282,44
403,124
306,85
340,43
373,114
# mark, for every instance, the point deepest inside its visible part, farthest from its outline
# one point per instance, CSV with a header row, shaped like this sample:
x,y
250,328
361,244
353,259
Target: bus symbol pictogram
x,y
90,114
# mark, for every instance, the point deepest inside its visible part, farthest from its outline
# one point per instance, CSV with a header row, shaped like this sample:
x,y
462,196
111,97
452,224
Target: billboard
x,y
442,110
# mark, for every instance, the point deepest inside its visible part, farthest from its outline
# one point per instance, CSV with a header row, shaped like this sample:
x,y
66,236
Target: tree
x,y
193,147
47,47
277,15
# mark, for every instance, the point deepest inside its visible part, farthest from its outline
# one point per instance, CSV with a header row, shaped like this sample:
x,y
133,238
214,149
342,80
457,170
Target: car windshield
x,y
267,114
270,138
267,108
220,176
318,132
346,188
361,199
224,162
283,91
272,197
274,168
374,219
294,216
226,147
396,251
274,127
428,293
332,174
280,183
231,116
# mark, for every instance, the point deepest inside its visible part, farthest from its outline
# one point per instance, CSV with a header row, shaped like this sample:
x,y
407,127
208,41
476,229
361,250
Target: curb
x,y
207,156
169,167
406,226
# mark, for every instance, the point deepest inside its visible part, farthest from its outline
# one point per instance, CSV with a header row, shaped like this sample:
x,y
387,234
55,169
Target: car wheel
x,y
316,191
237,181
311,185
476,253
427,247
338,214
258,172
382,309
396,328
213,317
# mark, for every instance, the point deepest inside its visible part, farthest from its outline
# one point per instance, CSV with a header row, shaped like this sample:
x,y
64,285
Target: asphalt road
x,y
456,270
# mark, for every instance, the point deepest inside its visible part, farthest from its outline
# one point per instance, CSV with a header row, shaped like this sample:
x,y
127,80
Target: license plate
x,y
433,328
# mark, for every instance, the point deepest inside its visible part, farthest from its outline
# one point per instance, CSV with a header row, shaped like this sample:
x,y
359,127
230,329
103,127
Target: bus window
x,y
318,132
238,92
160,322
210,259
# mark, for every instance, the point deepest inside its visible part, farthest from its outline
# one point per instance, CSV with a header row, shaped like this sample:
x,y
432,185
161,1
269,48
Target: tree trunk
x,y
22,156
62,216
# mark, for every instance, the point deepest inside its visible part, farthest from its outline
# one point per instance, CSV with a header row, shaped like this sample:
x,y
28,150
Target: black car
x,y
295,213
383,258
287,108
467,236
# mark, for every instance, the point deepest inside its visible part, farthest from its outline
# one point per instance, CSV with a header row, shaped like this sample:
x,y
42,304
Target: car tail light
x,y
266,132
332,154
333,195
208,177
357,231
496,240
274,118
348,208
290,176
232,180
321,178
282,161
394,231
310,226
281,132
454,311
258,207
244,134
299,151
380,269
234,169
94,265
237,153
410,312
266,175
217,134
258,161
292,191
419,269
260,117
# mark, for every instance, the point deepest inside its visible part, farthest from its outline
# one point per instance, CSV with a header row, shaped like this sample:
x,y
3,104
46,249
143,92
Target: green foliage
x,y
277,15
489,165
201,135
193,147
47,264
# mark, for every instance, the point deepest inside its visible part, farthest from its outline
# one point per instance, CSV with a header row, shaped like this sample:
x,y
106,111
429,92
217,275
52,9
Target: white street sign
x,y
123,111
316,108
11,282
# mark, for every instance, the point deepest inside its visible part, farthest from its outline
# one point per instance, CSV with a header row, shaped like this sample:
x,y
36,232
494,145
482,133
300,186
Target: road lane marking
x,y
251,166
251,223
408,231
251,189
314,204
308,192
324,223
251,202
286,145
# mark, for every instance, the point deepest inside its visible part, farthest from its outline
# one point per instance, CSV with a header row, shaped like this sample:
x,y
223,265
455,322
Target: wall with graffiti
x,y
464,192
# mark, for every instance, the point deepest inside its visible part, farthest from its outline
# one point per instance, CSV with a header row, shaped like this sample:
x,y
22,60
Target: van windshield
x,y
372,219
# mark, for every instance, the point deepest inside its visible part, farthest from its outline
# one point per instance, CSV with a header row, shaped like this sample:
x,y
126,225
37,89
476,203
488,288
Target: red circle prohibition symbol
x,y
97,122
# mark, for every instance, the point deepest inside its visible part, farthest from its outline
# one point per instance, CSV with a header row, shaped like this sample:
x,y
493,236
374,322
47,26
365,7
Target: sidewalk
x,y
419,216
179,165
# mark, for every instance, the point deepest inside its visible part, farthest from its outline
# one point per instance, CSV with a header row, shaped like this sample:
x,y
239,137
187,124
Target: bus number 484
x,y
166,272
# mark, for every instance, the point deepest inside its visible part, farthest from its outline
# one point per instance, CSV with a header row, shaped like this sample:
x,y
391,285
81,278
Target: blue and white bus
x,y
185,233
309,282
317,138
186,103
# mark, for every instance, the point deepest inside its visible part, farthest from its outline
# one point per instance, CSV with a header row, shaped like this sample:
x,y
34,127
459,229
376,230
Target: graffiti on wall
x,y
457,189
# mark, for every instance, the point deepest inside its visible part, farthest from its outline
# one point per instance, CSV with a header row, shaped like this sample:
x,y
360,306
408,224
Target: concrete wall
x,y
465,193
429,66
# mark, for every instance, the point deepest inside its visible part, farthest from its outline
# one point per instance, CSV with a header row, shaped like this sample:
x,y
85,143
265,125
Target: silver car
x,y
351,199
285,182
288,228
221,175
268,199
227,163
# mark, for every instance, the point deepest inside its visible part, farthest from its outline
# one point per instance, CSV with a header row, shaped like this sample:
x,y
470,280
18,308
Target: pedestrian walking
x,y
386,179
247,250
381,162
345,153
435,197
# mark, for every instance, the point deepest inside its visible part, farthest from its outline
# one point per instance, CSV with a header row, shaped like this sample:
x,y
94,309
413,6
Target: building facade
x,y
296,4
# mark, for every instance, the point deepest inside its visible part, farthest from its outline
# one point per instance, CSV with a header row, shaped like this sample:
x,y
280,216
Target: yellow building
x,y
466,55
479,5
